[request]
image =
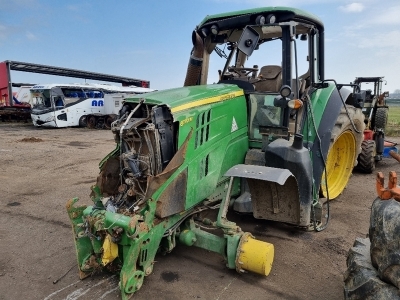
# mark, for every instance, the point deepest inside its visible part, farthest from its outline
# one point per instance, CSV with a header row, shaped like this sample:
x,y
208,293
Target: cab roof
x,y
294,13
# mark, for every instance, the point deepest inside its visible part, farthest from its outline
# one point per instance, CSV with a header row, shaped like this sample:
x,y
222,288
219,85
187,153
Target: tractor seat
x,y
269,79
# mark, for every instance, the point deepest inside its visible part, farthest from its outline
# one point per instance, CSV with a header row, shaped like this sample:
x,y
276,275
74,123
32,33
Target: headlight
x,y
285,91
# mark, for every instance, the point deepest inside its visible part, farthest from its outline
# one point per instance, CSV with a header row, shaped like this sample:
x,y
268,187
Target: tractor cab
x,y
374,106
375,110
273,55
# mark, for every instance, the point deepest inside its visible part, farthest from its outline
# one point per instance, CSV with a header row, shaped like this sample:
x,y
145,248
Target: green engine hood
x,y
184,98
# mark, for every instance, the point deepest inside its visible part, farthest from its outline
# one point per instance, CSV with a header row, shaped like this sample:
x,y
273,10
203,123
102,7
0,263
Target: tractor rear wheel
x,y
343,151
366,159
384,234
361,280
373,265
381,117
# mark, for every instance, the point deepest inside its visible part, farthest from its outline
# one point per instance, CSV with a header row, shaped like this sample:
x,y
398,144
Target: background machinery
x,y
14,106
375,111
262,140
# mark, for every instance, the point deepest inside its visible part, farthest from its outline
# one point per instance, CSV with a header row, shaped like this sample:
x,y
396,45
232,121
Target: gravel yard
x,y
43,168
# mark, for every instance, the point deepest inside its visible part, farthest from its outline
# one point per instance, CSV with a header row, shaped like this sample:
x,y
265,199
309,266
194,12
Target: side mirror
x,y
248,41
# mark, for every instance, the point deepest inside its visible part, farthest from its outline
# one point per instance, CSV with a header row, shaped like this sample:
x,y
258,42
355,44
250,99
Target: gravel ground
x,y
43,168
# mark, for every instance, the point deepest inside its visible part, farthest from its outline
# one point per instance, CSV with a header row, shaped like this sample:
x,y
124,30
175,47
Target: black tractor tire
x,y
83,121
345,146
381,118
366,159
384,234
361,279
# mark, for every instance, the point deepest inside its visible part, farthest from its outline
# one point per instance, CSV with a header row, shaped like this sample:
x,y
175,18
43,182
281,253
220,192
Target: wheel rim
x,y
339,164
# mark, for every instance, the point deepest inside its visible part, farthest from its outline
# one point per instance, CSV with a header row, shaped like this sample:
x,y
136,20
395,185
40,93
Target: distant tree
x,y
396,91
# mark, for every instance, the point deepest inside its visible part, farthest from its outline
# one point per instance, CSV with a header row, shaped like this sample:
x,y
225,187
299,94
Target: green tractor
x,y
261,140
375,110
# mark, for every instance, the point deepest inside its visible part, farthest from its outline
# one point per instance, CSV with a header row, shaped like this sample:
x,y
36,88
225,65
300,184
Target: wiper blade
x,y
221,53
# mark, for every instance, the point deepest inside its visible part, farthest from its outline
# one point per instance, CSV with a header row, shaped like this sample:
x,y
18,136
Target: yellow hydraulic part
x,y
110,250
339,164
254,255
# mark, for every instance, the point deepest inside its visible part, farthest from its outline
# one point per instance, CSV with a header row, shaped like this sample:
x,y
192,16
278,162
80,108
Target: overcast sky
x,y
151,39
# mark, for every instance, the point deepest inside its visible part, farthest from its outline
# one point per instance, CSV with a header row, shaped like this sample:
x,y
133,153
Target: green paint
x,y
319,100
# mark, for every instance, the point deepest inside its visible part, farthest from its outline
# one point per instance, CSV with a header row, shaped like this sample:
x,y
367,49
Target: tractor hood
x,y
180,99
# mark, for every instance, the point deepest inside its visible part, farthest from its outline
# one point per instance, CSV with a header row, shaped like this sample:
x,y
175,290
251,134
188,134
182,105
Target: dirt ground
x,y
42,168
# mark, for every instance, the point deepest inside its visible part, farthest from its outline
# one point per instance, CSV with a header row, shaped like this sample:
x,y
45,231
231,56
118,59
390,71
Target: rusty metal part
x,y
108,179
196,60
394,155
392,191
131,192
382,97
172,200
154,182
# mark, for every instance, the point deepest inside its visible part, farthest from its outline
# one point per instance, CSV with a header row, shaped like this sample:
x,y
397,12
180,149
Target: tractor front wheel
x,y
345,146
381,117
366,159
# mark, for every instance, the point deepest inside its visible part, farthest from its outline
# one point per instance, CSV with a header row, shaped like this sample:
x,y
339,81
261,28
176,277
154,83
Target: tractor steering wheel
x,y
242,71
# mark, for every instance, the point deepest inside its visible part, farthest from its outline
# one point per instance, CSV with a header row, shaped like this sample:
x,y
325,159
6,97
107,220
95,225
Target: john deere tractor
x,y
264,139
373,104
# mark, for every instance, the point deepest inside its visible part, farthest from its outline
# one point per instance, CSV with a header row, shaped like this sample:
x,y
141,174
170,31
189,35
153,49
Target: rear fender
x,y
274,193
325,120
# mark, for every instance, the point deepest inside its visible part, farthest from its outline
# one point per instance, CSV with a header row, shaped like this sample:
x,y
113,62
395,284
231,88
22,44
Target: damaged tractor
x,y
264,141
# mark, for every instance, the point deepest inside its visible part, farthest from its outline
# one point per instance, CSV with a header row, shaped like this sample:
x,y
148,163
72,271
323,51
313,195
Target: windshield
x,y
262,113
41,98
287,47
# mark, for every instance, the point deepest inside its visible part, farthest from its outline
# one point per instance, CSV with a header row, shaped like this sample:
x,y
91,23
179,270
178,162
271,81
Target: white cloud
x,y
389,16
73,7
381,40
352,7
31,36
